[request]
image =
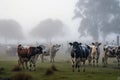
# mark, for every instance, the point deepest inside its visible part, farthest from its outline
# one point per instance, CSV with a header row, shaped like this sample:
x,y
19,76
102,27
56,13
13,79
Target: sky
x,y
31,14
28,13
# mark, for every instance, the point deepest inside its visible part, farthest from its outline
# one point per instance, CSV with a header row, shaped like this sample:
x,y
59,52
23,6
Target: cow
x,y
54,50
94,53
46,52
118,55
50,51
34,54
23,54
28,55
110,51
79,53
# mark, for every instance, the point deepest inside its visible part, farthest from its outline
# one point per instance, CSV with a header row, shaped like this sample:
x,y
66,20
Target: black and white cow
x,y
111,51
118,55
34,54
79,53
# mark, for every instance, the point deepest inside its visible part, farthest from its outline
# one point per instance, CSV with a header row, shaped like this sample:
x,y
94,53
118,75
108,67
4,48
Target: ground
x,y
64,71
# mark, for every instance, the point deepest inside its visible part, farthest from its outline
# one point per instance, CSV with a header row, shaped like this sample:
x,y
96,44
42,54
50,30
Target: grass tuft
x,y
22,76
17,68
53,67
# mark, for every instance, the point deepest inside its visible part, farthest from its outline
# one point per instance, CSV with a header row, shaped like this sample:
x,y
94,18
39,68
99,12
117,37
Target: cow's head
x,y
39,49
96,44
118,50
75,45
56,47
20,47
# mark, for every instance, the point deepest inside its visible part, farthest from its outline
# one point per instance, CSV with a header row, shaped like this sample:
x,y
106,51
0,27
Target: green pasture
x,y
111,72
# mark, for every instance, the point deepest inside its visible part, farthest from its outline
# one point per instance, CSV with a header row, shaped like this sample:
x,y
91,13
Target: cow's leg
x,y
42,57
93,61
103,61
119,62
30,65
53,59
34,63
73,67
84,66
19,62
26,65
89,60
118,59
23,65
106,59
97,61
34,66
73,64
50,59
78,63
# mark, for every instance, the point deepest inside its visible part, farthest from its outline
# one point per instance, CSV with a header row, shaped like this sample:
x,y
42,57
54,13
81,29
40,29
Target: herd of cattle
x,y
79,54
31,54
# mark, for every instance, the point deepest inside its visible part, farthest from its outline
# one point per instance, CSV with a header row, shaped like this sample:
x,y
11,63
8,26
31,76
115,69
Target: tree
x,y
10,30
48,29
98,16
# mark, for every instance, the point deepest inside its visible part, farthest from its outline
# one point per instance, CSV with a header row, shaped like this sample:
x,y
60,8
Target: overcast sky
x,y
30,12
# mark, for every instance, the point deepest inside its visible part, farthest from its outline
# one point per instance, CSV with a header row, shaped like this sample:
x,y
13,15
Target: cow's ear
x,y
80,43
88,46
93,43
99,43
70,44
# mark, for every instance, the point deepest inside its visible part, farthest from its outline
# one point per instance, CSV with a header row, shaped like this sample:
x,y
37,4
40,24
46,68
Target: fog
x,y
35,22
49,29
98,17
10,30
70,20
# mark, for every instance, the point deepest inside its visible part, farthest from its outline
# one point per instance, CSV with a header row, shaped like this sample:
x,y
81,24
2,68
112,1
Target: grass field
x,y
64,71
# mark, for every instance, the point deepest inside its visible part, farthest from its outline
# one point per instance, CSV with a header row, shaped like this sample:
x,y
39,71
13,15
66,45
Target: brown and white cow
x,y
22,55
30,55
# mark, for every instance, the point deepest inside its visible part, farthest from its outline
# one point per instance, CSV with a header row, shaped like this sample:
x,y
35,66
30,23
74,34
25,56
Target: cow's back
x,y
85,51
23,52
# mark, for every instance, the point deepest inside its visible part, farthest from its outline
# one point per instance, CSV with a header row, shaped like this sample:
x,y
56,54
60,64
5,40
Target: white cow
x,y
94,53
50,51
